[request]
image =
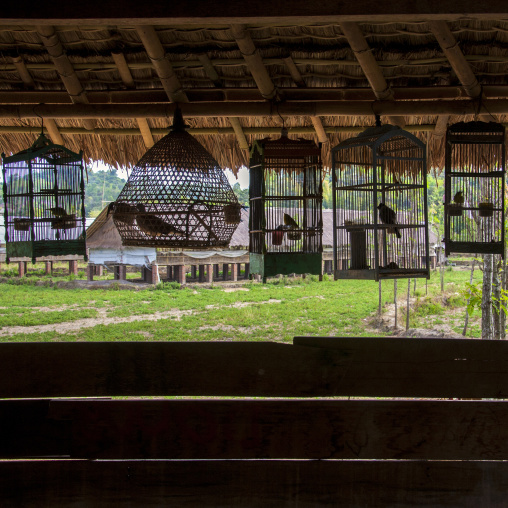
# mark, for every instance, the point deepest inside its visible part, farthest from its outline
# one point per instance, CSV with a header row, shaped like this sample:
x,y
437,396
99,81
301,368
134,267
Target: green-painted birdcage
x,y
380,220
285,220
474,188
44,199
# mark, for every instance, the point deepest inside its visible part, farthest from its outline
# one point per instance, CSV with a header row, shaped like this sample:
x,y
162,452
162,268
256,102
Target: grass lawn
x,y
276,311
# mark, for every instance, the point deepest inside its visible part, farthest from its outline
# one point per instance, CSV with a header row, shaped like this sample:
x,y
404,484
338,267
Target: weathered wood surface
x,y
380,367
298,484
245,429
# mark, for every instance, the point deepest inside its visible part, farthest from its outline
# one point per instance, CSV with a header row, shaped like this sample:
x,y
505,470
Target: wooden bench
x,y
286,406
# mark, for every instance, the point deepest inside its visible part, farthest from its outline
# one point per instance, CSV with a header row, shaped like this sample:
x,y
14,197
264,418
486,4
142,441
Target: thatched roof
x,y
236,82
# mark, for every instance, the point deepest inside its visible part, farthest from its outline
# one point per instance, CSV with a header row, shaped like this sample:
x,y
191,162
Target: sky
x,y
243,173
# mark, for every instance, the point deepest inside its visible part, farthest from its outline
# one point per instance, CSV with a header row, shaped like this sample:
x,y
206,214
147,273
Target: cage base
x,y
474,247
45,248
382,274
285,263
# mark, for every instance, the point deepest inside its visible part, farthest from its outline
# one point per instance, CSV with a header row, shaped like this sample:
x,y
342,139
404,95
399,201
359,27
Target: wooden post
x,y
98,270
73,267
193,272
216,271
181,274
48,267
201,273
234,271
247,270
90,270
225,270
22,267
209,274
155,273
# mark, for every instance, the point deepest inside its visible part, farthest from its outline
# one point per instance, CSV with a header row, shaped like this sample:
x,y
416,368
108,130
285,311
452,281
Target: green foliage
x,y
241,194
102,188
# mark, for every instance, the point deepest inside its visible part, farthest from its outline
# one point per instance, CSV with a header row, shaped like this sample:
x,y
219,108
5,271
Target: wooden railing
x,y
404,442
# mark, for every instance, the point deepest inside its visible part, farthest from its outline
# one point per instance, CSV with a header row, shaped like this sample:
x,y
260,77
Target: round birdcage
x,y
177,196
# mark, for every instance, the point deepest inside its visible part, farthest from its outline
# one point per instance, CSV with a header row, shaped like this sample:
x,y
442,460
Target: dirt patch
x,y
232,290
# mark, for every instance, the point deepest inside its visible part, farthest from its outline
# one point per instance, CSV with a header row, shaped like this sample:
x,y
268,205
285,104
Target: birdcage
x,y
285,220
44,194
177,196
474,188
380,226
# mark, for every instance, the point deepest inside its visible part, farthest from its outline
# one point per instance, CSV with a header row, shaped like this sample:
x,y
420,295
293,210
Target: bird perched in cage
x,y
154,226
59,211
458,198
388,216
289,221
123,212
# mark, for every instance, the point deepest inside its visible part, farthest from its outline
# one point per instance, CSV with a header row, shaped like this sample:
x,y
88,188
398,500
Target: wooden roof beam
x,y
295,73
300,82
234,120
370,67
125,74
64,68
27,79
254,62
258,109
457,60
227,12
162,65
210,70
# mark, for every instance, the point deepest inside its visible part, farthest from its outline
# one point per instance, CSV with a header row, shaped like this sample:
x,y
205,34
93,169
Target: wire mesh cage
x,y
380,225
177,196
286,223
474,188
44,197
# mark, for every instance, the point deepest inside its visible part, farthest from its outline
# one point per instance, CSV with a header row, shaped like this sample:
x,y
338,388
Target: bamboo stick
x,y
128,80
15,129
257,109
369,65
245,94
163,67
254,61
457,60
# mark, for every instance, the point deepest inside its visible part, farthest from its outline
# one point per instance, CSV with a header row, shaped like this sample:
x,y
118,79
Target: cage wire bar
x,y
177,195
44,198
380,218
474,188
285,220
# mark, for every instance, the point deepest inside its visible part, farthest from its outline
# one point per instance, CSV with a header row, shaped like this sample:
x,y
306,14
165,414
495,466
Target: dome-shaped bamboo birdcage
x,y
285,220
474,188
380,220
44,195
177,195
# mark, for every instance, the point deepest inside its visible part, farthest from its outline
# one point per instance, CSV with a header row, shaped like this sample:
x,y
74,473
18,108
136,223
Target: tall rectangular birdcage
x,y
380,223
474,188
44,197
285,220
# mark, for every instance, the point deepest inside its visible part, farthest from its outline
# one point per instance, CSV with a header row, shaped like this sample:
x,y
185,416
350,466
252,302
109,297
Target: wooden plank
x,y
381,367
302,484
408,367
255,11
27,431
285,429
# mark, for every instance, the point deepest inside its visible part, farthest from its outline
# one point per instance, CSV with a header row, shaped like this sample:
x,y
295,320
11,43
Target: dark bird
x,y
58,211
123,212
289,221
458,198
154,226
388,216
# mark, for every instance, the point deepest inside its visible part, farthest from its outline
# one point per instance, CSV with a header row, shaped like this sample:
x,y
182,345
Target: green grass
x,y
276,311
